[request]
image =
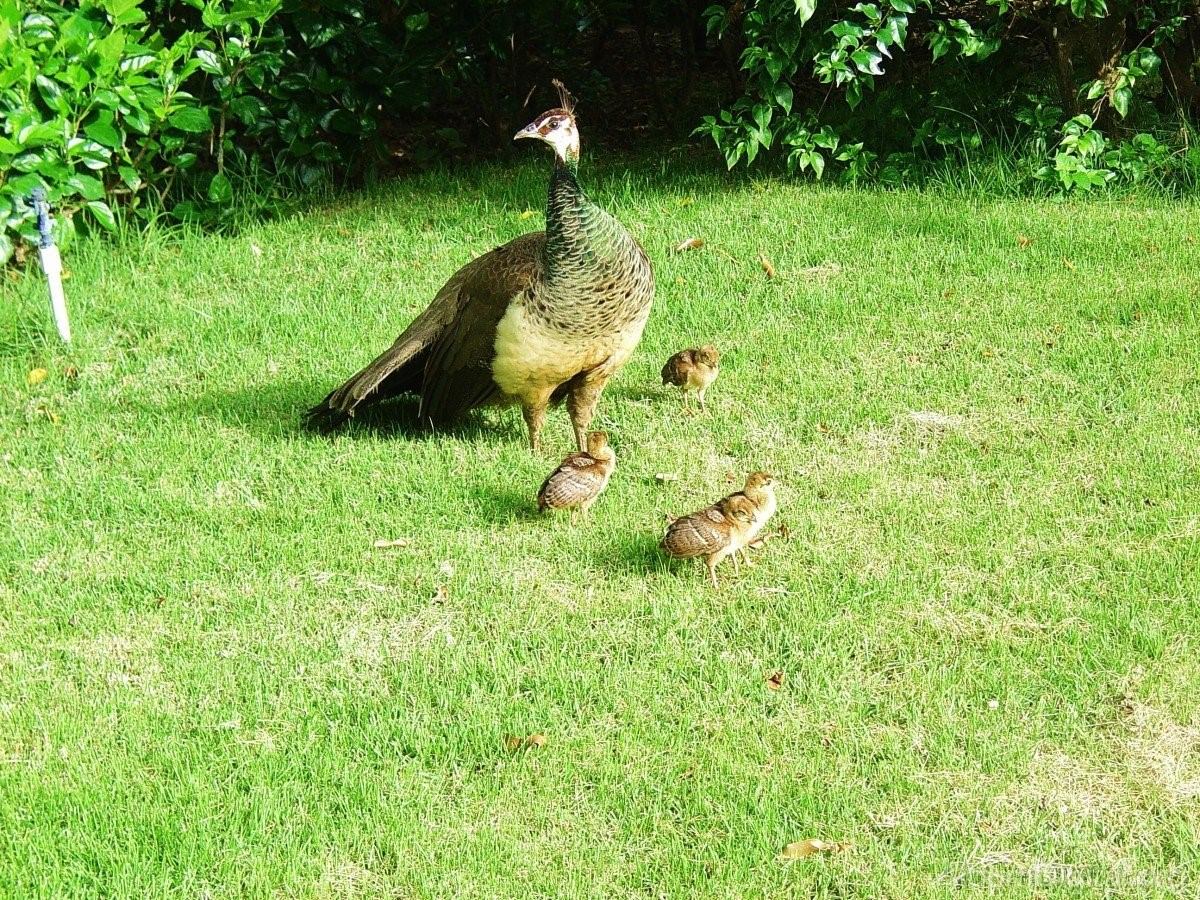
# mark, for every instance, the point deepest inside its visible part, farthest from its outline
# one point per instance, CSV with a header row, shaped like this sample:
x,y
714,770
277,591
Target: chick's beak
x,y
528,131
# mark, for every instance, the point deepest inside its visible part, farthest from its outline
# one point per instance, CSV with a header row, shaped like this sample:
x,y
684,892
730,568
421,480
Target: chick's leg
x,y
582,399
711,563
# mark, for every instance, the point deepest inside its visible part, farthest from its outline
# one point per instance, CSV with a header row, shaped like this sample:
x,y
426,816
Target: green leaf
x,y
103,133
805,9
209,62
895,31
818,163
103,214
939,44
784,97
110,48
192,119
6,248
130,176
52,94
1120,101
220,190
87,186
416,22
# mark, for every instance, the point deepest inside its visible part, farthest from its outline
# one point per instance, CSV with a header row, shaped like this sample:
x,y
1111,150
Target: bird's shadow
x,y
634,553
502,506
280,408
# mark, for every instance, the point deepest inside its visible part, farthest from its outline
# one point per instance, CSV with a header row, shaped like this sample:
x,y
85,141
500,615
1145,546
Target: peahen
x,y
548,316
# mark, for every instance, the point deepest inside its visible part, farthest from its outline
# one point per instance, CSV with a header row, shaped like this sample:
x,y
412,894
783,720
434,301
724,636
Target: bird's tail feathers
x,y
395,371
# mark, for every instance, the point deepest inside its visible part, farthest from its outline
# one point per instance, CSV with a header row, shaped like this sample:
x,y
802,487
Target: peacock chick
x,y
714,533
693,369
580,478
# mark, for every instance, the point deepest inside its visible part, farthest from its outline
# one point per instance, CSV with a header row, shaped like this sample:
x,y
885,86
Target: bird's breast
x,y
548,337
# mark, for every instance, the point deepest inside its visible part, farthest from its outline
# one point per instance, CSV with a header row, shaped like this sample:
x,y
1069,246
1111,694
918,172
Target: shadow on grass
x,y
632,553
278,409
492,505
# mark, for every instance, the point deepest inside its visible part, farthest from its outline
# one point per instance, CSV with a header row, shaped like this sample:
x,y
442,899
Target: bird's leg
x,y
700,394
574,515
737,570
535,417
581,405
711,562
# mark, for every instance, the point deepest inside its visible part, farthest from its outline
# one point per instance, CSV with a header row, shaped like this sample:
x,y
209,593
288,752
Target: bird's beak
x,y
529,131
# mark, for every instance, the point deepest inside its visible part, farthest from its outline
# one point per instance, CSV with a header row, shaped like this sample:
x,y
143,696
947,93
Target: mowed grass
x,y
985,418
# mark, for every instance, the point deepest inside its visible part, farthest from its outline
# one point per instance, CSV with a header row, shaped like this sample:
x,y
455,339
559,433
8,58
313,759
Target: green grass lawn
x,y
985,417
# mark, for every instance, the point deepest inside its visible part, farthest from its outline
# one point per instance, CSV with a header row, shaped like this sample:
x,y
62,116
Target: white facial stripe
x,y
564,139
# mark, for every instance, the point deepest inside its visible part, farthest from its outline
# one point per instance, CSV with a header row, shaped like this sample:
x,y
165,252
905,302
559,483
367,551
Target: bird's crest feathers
x,y
565,99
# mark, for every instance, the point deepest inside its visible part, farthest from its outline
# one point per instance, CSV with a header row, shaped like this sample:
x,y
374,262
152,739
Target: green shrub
x,y
872,86
100,108
124,104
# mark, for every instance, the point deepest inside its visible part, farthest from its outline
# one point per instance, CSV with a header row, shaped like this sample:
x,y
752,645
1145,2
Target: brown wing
x,y
676,370
578,479
446,352
699,534
458,369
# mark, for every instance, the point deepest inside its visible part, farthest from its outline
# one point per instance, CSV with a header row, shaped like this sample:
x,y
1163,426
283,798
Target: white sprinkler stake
x,y
51,265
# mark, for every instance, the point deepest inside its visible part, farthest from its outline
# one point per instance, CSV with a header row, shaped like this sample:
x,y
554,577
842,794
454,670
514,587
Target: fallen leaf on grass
x,y
1023,241
692,243
1070,265
513,743
395,542
784,532
774,681
766,265
527,214
664,477
802,849
71,373
442,594
36,377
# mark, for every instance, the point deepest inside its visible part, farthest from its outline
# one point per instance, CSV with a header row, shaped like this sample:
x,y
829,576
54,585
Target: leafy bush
x,y
907,79
105,103
99,107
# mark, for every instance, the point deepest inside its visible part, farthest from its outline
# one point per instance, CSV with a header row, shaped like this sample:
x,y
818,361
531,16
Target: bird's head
x,y
760,481
556,127
739,509
708,355
597,443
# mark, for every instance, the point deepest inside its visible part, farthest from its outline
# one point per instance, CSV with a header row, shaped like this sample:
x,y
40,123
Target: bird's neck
x,y
760,497
579,234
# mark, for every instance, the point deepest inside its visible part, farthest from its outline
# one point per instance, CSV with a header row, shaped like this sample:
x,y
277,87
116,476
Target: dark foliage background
x,y
192,108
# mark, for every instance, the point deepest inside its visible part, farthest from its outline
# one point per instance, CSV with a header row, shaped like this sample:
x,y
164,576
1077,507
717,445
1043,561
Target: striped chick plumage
x,y
715,532
580,478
